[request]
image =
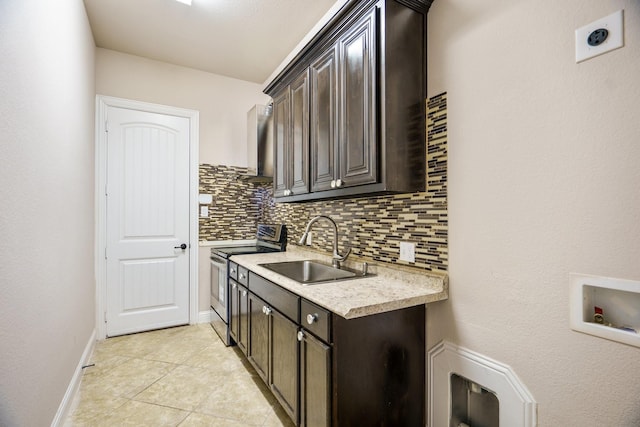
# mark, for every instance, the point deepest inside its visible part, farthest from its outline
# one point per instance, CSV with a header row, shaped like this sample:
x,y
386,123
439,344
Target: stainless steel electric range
x,y
269,238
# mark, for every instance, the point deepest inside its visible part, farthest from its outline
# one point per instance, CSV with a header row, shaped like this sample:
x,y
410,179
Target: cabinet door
x,y
358,117
281,112
299,143
324,119
315,381
284,363
235,310
243,319
258,353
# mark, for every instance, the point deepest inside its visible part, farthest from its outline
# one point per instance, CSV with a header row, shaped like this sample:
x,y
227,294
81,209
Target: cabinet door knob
x,y
300,335
333,183
233,286
312,318
267,311
244,293
339,183
233,271
242,276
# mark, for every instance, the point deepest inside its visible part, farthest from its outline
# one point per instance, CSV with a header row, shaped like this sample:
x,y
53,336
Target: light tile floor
x,y
180,376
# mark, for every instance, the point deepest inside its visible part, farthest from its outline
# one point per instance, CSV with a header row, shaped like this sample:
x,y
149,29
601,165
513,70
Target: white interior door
x,y
147,221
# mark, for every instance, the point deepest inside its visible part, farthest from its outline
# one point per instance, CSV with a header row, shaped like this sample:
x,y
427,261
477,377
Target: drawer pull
x,y
312,318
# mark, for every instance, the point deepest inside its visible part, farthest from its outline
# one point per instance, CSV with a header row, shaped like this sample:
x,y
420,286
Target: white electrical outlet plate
x,y
205,199
408,251
614,38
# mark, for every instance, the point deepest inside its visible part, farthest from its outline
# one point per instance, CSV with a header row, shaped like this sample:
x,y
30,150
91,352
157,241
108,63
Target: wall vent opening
x,y
472,404
494,383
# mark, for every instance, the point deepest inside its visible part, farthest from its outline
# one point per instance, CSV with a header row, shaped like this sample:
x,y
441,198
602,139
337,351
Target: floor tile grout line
x,y
192,334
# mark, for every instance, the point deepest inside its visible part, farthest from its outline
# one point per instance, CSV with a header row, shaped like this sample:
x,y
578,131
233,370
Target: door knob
x,y
182,246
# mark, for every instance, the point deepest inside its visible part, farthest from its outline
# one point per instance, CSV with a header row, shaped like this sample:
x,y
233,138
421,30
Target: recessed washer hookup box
x,y
606,307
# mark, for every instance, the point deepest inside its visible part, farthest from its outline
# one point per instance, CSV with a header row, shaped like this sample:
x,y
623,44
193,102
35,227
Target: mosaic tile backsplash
x,y
236,207
372,227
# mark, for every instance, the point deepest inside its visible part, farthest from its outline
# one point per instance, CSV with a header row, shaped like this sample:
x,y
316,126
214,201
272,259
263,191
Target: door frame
x,y
102,104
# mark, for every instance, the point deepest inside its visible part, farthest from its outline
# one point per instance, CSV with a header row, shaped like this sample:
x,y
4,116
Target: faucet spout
x,y
337,258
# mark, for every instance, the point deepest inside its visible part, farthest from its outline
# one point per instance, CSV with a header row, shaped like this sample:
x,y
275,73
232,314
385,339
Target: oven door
x,y
219,286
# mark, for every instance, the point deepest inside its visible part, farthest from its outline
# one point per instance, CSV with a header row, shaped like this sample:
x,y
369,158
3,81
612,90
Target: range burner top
x,y
238,250
270,238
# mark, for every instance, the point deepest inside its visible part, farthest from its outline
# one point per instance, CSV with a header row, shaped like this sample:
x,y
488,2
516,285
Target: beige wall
x,y
223,102
47,286
543,181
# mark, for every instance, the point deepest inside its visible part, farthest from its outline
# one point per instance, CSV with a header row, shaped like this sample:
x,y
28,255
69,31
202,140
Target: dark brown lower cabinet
x,y
273,352
315,381
243,319
284,362
239,320
326,370
258,353
234,305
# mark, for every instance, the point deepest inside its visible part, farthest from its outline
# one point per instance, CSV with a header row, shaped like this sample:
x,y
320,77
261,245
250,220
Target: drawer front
x,y
243,275
279,298
233,271
316,320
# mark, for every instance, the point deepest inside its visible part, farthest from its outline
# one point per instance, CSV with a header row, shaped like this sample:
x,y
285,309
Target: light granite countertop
x,y
387,289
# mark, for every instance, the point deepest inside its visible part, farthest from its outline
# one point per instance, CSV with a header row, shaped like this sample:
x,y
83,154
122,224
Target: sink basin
x,y
309,272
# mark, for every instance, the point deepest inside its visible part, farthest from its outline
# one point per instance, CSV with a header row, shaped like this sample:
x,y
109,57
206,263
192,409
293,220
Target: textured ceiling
x,y
243,39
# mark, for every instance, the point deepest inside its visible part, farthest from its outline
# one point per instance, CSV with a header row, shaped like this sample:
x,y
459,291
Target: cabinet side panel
x,y
379,369
404,87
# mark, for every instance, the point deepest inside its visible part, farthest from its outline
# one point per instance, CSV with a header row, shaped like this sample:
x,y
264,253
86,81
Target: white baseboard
x,y
204,316
67,401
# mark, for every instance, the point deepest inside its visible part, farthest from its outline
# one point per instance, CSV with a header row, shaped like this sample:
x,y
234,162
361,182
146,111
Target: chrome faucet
x,y
337,258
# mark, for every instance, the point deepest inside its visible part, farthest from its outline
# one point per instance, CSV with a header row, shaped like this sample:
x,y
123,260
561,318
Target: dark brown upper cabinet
x,y
324,120
291,119
362,119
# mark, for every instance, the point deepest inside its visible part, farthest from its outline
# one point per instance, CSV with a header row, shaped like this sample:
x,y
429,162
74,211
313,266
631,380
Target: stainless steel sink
x,y
309,272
